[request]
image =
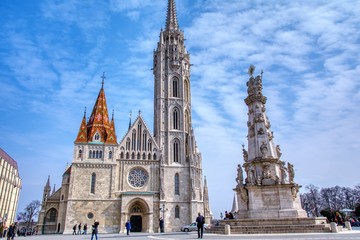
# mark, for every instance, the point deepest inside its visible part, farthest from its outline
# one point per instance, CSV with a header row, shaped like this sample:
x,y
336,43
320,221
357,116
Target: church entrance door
x,y
136,223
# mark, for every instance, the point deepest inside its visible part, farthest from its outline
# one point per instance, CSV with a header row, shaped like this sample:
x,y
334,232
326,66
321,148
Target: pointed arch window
x,y
128,144
97,137
90,154
144,141
133,140
110,154
176,119
176,184
176,152
186,90
175,87
80,154
93,181
139,137
177,211
149,145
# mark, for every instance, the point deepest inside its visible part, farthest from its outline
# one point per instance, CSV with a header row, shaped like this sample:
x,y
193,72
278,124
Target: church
x,y
142,176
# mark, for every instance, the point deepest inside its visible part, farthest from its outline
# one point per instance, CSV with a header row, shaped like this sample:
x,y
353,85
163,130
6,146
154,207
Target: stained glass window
x,y
137,177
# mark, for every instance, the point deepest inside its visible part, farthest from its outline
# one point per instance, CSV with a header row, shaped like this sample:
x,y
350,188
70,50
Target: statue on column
x,y
245,154
291,172
283,173
239,179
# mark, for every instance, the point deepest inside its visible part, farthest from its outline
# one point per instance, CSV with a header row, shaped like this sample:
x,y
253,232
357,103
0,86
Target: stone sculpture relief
x,y
291,172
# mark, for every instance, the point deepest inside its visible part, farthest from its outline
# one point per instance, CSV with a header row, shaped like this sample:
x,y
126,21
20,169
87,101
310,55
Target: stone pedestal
x,y
271,201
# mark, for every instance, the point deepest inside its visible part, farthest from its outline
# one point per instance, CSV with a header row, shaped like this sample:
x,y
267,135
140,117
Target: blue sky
x,y
52,54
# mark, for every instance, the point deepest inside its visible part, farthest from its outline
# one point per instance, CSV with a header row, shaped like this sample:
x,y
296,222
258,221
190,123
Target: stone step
x,y
272,229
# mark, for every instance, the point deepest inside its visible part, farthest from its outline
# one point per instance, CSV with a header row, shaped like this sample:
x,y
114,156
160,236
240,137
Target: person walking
x,y
11,232
128,227
95,230
85,229
74,229
161,224
79,229
200,220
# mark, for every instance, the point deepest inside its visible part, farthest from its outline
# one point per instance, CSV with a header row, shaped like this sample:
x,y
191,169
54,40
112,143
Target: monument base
x,y
263,226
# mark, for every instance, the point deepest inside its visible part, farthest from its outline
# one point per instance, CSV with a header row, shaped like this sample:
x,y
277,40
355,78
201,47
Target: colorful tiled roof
x,y
98,123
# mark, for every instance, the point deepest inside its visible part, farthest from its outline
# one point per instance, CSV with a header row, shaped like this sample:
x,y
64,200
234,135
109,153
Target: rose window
x,y
137,177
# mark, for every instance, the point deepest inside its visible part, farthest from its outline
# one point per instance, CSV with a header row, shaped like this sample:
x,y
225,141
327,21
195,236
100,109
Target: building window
x,y
110,154
175,87
176,180
139,137
175,119
90,154
176,151
137,177
144,141
93,181
149,145
186,90
80,153
90,215
133,140
52,215
128,144
97,137
177,212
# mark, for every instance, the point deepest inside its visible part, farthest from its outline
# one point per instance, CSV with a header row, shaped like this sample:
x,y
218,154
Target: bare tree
x,y
30,212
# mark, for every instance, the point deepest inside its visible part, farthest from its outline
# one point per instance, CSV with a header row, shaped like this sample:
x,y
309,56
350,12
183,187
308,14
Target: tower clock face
x,y
137,177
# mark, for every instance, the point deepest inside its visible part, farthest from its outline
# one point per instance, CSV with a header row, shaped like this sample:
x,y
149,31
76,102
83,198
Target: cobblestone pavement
x,y
349,235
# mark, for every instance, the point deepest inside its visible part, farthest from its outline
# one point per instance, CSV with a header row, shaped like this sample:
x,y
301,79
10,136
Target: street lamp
x,y
163,213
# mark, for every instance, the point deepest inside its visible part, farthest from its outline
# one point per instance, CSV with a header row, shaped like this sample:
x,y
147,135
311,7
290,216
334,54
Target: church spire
x,y
98,128
171,18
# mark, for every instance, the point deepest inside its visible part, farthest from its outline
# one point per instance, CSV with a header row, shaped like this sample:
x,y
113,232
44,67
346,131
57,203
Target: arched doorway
x,y
138,214
136,223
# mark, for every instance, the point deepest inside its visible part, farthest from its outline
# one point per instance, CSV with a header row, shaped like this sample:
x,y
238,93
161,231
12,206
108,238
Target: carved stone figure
x,y
245,154
294,191
261,131
291,172
278,151
263,149
283,173
251,176
239,178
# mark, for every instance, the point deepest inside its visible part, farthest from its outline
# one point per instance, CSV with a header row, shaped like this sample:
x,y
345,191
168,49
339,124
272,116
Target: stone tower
x,y
181,160
145,176
269,190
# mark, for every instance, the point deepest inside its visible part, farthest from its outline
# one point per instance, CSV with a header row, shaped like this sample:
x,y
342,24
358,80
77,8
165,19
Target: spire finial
x,y
171,19
139,112
251,70
113,114
85,112
130,113
103,79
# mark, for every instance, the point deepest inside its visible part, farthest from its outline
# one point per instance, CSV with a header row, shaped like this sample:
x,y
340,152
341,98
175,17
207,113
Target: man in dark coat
x,y
200,220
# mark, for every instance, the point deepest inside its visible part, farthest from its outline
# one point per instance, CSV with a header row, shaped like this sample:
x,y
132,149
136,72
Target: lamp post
x,y
163,214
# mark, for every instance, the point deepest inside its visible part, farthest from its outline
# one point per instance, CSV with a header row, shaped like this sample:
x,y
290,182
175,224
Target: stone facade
x,y
144,176
10,186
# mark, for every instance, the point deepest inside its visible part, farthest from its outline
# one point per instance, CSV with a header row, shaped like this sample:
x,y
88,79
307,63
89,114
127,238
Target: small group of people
x,y
9,232
228,215
77,229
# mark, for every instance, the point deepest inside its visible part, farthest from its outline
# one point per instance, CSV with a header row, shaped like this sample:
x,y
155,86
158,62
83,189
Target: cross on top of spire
x,y
171,19
103,79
